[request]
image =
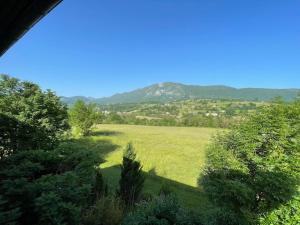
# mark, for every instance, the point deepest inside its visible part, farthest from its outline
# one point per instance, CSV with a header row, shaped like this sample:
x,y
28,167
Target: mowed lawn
x,y
171,156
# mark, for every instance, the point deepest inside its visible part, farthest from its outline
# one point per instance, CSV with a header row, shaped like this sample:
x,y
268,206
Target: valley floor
x,y
171,156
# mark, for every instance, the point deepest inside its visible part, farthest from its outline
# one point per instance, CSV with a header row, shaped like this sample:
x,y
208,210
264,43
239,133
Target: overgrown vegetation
x,y
42,181
162,210
107,210
47,187
253,171
30,118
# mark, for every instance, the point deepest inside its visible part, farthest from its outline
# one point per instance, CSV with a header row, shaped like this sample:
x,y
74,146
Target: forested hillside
x,y
165,92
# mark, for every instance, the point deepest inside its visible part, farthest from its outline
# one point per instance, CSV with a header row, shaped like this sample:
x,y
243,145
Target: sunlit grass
x,y
172,155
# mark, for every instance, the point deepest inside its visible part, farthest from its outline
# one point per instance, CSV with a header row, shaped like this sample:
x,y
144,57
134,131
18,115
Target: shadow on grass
x,y
103,147
192,197
105,133
195,197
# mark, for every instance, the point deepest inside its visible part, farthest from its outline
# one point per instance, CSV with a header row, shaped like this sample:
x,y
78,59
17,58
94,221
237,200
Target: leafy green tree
x,y
255,168
132,179
83,117
30,118
38,186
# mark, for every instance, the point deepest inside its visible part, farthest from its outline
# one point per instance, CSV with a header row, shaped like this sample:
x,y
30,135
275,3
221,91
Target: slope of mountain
x,y
164,92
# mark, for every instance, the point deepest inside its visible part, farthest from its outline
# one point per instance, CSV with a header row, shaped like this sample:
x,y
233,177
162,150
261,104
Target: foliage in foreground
x,y
107,210
162,210
29,117
48,187
41,182
253,171
286,214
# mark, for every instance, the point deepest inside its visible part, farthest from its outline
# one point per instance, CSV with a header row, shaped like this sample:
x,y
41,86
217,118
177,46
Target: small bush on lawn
x,y
106,211
162,210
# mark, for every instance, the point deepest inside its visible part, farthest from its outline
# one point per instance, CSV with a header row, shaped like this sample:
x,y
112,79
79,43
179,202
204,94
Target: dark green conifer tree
x,y
132,179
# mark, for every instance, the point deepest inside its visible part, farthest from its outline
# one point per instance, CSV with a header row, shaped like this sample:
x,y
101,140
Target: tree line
x,y
188,120
188,113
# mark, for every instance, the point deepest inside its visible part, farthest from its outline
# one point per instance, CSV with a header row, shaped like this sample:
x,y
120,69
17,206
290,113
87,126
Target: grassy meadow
x,y
171,156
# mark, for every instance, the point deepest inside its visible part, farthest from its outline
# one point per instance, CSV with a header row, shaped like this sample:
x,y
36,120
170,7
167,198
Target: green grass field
x,y
171,156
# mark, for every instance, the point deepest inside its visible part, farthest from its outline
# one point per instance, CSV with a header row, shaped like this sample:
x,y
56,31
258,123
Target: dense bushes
x,y
107,210
15,135
48,187
162,210
253,171
286,214
30,118
41,182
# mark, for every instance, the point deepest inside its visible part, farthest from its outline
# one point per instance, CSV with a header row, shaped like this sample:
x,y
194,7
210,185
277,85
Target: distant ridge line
x,y
169,91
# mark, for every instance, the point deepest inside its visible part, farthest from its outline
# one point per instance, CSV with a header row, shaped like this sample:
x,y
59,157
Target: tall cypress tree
x,y
132,179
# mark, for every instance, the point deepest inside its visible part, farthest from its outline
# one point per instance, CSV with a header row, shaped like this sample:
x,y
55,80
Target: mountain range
x,y
168,91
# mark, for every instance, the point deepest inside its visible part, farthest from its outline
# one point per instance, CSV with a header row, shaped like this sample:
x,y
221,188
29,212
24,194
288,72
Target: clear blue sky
x,y
97,48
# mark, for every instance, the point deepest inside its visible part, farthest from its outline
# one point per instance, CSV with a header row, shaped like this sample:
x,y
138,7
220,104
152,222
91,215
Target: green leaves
x,y
30,118
51,209
162,210
83,117
254,169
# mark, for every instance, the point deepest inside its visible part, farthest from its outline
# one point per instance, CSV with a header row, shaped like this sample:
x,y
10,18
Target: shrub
x,y
106,211
287,214
162,210
165,189
52,210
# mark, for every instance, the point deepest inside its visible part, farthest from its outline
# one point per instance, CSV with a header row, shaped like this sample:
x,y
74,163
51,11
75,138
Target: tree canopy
x,y
30,117
255,168
83,116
